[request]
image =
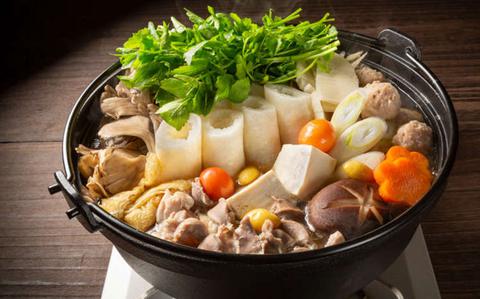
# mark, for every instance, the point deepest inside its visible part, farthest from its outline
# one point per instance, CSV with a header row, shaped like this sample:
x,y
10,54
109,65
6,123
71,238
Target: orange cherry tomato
x,y
319,133
217,183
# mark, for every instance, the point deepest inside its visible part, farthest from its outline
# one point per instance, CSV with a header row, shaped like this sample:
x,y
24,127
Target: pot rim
x,y
161,246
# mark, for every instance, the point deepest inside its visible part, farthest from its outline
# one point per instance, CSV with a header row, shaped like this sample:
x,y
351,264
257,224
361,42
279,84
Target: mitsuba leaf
x,y
239,90
189,68
176,87
223,85
175,113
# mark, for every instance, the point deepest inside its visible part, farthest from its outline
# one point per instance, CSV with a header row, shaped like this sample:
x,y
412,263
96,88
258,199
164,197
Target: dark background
x,y
51,50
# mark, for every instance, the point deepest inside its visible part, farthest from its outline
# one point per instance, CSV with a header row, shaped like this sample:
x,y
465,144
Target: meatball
x,y
368,75
383,101
415,136
405,115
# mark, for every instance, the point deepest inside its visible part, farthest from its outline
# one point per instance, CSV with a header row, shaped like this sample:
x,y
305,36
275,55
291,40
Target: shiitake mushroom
x,y
350,206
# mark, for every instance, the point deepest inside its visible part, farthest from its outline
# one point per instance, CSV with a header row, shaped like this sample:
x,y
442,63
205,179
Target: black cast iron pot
x,y
333,272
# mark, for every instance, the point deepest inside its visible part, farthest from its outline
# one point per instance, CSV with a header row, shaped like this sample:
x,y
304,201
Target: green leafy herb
x,y
189,69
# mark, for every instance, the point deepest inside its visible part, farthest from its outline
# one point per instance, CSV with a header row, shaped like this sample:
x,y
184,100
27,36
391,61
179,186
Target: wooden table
x,y
42,254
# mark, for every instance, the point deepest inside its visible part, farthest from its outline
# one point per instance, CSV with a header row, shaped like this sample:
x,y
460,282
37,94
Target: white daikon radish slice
x,y
222,144
359,138
335,85
257,90
179,152
305,80
258,194
294,110
261,138
317,108
348,111
370,159
303,169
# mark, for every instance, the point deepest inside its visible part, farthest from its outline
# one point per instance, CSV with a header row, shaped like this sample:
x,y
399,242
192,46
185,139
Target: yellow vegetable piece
x,y
248,175
257,218
118,204
357,170
152,170
143,217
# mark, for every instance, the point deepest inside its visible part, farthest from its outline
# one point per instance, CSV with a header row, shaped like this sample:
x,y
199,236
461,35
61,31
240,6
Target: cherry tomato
x,y
217,183
319,133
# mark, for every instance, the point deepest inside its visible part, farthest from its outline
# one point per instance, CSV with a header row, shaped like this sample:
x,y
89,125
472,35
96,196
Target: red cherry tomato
x,y
319,133
217,183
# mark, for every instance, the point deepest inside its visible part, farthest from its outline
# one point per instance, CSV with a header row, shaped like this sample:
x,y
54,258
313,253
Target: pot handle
x,y
400,44
78,206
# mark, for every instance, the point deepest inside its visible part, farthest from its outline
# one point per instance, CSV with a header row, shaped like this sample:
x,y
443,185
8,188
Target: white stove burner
x,y
411,276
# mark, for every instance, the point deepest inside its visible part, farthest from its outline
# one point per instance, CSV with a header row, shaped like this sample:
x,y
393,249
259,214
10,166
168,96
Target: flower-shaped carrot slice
x,y
403,176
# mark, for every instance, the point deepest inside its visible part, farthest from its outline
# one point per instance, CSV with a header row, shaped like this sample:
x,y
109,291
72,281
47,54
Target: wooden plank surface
x,y
42,254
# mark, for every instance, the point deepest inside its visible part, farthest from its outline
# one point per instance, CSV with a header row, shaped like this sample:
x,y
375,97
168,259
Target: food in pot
x,y
367,75
350,206
242,138
415,136
383,101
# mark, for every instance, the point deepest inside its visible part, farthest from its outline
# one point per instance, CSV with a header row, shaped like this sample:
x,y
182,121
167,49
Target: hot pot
x,y
333,272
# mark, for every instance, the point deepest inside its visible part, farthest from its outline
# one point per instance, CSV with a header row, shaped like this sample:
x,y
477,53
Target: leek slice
x,y
359,138
348,111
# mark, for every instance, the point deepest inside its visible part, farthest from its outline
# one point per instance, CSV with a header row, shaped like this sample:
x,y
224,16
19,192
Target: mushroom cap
x,y
350,206
138,126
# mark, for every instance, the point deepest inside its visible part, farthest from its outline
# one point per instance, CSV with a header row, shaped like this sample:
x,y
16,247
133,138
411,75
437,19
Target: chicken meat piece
x,y
166,229
173,203
335,239
199,196
248,240
221,241
271,244
383,100
190,232
137,126
212,243
221,213
287,210
367,75
298,232
226,234
415,136
287,241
